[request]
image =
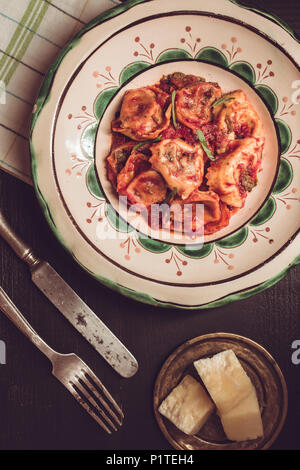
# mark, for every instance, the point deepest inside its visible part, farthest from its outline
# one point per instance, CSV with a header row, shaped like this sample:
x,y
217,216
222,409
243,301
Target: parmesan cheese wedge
x,y
234,395
225,379
188,406
243,422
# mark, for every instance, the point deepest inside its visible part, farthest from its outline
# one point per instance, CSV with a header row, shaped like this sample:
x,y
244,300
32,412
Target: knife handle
x,y
21,249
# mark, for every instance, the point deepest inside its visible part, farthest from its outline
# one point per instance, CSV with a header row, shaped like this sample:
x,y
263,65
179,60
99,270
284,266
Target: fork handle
x,y
12,312
21,249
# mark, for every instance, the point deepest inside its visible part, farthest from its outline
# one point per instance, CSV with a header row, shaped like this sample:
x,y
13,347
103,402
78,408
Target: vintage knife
x,y
71,306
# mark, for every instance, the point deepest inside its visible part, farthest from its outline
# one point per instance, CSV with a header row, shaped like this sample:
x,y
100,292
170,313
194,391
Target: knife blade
x,y
75,310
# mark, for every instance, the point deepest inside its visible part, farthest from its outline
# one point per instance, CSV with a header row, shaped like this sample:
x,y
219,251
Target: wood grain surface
x,y
36,412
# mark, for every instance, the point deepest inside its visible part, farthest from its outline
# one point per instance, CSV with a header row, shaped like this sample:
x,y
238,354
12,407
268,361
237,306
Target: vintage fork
x,y
72,372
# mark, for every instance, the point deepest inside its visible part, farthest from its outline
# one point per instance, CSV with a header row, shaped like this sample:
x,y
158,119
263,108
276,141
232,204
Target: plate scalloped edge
x,y
44,96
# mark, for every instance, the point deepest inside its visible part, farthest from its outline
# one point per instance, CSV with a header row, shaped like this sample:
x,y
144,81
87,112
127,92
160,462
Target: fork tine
x,y
90,374
90,399
103,400
105,405
87,408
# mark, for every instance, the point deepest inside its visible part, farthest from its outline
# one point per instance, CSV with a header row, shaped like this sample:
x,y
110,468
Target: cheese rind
x,y
225,379
243,422
188,406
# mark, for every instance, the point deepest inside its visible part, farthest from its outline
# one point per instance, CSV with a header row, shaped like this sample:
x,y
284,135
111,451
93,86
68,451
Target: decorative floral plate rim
x,y
43,99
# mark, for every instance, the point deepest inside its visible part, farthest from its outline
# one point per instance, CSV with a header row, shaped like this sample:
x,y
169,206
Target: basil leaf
x,y
221,101
140,144
173,109
204,144
170,196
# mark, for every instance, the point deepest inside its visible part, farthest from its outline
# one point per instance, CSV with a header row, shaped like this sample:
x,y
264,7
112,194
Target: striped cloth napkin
x,y
32,33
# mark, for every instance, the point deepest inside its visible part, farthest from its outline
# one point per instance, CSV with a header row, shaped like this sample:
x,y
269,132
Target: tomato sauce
x,y
182,132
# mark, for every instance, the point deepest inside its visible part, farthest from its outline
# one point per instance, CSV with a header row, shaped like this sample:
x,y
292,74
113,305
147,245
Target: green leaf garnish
x,y
170,196
173,109
140,144
204,144
222,100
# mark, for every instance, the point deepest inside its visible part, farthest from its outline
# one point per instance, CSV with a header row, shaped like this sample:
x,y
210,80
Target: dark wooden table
x,y
37,413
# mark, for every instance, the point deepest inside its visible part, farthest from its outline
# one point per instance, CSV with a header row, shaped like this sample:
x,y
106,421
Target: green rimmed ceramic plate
x,y
261,245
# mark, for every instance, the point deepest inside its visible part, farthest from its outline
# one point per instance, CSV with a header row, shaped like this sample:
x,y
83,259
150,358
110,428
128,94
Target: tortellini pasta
x,y
237,119
181,165
193,104
144,114
184,145
234,174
